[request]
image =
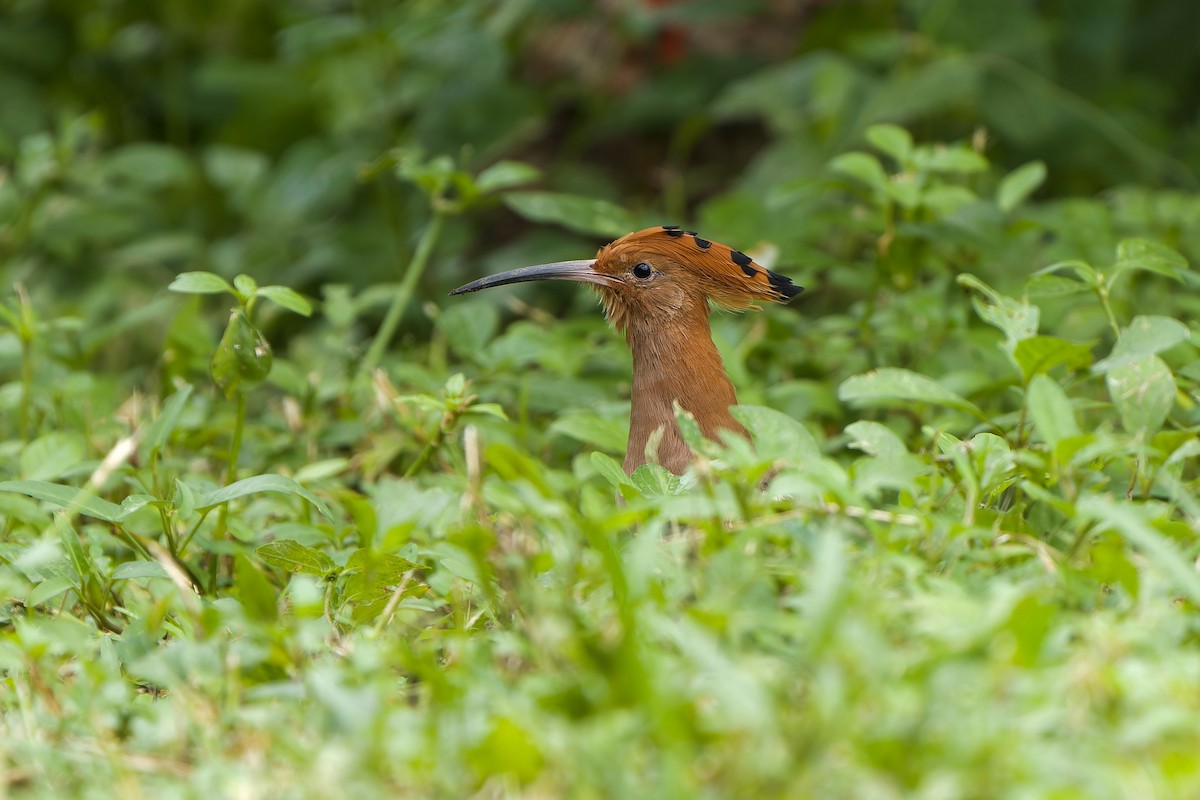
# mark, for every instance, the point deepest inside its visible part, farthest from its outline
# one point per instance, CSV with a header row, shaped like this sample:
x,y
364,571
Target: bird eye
x,y
641,270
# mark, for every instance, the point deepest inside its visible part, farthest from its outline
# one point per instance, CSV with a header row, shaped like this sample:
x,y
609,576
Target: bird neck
x,y
676,363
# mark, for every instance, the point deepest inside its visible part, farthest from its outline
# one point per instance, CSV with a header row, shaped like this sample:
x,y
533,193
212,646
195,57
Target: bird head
x,y
659,274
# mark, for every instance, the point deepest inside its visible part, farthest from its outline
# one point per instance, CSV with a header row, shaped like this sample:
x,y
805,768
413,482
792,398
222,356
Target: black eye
x,y
641,270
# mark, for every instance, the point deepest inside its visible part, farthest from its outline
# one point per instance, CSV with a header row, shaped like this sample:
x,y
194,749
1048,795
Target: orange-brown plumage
x,y
656,285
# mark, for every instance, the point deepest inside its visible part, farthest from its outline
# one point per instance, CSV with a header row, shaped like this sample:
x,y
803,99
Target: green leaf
x,y
1051,410
1148,256
777,436
505,175
1143,392
875,439
891,139
468,327
1129,520
610,469
1019,184
862,167
1040,354
200,283
892,386
288,298
582,214
47,590
243,357
291,556
653,480
52,455
1047,285
245,285
256,594
67,497
159,431
591,428
129,570
1017,318
258,484
954,159
1145,336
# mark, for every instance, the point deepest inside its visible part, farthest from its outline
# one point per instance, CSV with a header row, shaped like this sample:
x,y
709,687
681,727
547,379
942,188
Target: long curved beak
x,y
579,271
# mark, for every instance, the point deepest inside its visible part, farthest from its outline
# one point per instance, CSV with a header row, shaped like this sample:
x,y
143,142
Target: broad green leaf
x,y
583,214
875,439
777,436
52,455
1130,522
1019,184
67,497
468,327
891,139
292,556
243,357
48,590
610,469
1145,336
1051,410
1148,256
862,167
258,484
288,298
1040,354
1143,392
593,429
200,283
892,386
653,480
505,175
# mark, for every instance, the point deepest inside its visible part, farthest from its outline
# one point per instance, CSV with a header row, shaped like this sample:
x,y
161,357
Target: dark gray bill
x,y
580,271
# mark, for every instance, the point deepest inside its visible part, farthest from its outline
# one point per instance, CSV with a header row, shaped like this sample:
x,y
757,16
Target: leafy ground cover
x,y
272,528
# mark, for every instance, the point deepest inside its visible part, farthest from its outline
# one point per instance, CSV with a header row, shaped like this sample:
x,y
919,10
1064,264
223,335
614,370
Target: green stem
x,y
235,449
1102,293
416,267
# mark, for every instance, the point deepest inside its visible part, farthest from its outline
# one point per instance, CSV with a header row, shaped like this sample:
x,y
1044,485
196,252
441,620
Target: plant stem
x,y
416,267
235,449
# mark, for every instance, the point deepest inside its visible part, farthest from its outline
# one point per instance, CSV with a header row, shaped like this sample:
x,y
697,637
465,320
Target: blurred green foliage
x,y
380,548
